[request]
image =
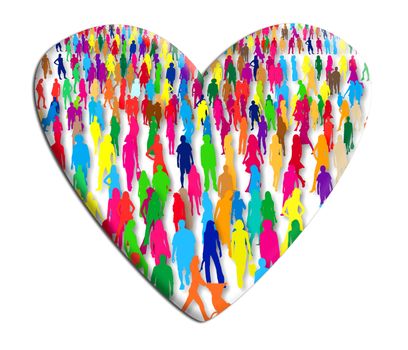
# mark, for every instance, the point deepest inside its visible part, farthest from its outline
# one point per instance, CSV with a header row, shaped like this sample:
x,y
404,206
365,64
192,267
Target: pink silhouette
x,y
269,244
125,210
218,112
112,218
194,189
290,182
170,115
159,244
252,154
129,160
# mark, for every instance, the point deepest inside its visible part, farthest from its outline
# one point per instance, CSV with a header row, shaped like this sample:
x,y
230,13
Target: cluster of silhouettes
x,y
100,76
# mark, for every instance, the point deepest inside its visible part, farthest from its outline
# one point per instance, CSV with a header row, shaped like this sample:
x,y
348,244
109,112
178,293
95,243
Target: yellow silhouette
x,y
95,129
276,159
93,206
229,159
293,209
340,157
321,154
240,250
107,157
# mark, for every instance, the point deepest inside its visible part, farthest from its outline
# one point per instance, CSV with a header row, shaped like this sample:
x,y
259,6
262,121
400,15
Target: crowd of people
x,y
167,149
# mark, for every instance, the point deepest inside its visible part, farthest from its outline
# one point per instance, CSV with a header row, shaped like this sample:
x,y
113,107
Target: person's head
x,y
295,226
268,196
296,193
238,225
107,138
182,224
158,225
116,194
252,102
210,226
159,168
206,139
213,80
79,139
163,259
149,191
225,167
267,225
262,263
157,138
194,263
182,138
125,195
131,224
252,140
323,169
205,197
236,195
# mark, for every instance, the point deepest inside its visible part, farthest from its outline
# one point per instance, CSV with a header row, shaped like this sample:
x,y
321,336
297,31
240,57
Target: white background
x,y
343,285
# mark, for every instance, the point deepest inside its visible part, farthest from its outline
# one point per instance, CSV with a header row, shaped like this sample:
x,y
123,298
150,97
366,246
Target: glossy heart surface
x,y
203,180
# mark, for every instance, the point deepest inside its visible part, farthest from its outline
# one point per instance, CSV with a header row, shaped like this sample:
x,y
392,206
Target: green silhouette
x,y
80,182
162,278
161,184
114,133
212,91
268,208
294,232
209,163
132,249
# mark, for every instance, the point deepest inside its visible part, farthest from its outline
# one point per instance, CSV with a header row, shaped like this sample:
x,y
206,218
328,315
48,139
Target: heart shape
x,y
217,172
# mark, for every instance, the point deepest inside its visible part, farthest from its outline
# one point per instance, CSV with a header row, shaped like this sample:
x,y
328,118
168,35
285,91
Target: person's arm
x,y
148,153
106,180
174,250
302,208
260,155
178,158
132,208
171,282
219,245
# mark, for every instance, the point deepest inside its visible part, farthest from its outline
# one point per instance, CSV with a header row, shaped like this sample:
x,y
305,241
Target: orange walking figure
x,y
321,154
196,281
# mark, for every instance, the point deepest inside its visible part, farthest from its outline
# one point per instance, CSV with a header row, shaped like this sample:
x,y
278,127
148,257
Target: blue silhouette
x,y
61,69
262,269
183,252
294,68
238,206
211,250
184,158
112,180
80,155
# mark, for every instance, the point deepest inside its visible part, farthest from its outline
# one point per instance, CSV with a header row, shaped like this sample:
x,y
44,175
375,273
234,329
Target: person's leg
x,y
206,179
207,264
201,306
180,273
220,275
214,178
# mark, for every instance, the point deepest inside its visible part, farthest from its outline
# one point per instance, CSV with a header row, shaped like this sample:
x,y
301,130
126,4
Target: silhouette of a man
x,y
183,251
184,158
